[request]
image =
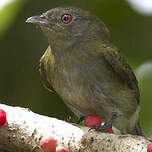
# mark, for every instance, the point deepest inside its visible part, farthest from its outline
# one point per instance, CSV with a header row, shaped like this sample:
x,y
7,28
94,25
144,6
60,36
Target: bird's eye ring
x,y
66,18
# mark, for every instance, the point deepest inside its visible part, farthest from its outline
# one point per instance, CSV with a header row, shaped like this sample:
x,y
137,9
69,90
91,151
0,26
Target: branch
x,y
24,129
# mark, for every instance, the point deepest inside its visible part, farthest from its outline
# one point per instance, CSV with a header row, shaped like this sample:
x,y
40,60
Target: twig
x,y
24,129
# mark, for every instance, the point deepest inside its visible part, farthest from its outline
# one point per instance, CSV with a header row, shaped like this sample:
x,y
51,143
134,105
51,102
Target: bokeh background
x,y
22,45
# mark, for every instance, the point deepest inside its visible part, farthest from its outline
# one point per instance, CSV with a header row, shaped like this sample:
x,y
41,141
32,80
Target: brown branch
x,y
24,129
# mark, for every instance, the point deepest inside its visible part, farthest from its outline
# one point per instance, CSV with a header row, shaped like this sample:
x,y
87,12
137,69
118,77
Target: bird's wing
x,y
118,63
43,72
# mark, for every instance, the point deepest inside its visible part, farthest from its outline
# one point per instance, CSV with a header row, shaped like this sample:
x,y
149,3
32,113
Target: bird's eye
x,y
66,18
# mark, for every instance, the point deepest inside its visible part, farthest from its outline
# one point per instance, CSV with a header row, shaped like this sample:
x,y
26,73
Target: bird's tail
x,y
134,125
138,130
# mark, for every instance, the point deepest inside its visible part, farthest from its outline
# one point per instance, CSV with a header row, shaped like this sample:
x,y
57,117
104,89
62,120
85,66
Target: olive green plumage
x,y
86,69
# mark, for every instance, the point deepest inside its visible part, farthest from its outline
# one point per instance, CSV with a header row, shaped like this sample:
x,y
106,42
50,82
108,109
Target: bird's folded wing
x,y
118,63
43,72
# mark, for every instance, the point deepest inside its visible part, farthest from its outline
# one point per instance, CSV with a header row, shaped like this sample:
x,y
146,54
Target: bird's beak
x,y
40,20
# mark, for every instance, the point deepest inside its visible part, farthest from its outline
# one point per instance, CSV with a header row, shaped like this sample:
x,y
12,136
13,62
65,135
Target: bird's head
x,y
68,24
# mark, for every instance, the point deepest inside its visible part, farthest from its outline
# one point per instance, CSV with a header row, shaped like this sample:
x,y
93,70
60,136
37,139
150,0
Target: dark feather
x,y
44,78
118,63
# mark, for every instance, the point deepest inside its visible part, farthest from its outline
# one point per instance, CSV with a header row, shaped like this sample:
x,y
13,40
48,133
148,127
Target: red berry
x,y
48,145
92,120
109,130
149,149
2,117
61,149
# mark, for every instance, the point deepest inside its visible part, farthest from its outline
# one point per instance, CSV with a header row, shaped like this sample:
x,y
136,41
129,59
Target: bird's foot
x,y
69,119
80,119
106,125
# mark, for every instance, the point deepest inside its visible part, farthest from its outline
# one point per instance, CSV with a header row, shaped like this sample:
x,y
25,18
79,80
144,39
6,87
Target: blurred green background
x,y
22,45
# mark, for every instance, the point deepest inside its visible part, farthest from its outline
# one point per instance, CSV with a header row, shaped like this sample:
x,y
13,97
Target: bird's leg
x,y
106,125
80,119
69,119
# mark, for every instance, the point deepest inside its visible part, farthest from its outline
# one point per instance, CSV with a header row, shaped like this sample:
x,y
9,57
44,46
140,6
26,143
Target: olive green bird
x,y
87,71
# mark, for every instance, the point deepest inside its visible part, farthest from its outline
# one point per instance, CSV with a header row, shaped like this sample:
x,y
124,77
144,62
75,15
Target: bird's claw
x,y
69,119
107,124
98,128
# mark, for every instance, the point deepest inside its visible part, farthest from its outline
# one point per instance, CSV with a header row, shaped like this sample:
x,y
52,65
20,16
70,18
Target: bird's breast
x,y
89,85
80,82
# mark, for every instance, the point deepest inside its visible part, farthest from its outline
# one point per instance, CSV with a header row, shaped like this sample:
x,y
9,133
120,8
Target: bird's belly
x,y
92,90
82,100
86,94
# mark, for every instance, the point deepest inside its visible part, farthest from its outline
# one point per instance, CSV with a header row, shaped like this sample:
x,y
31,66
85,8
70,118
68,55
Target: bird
x,y
84,67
